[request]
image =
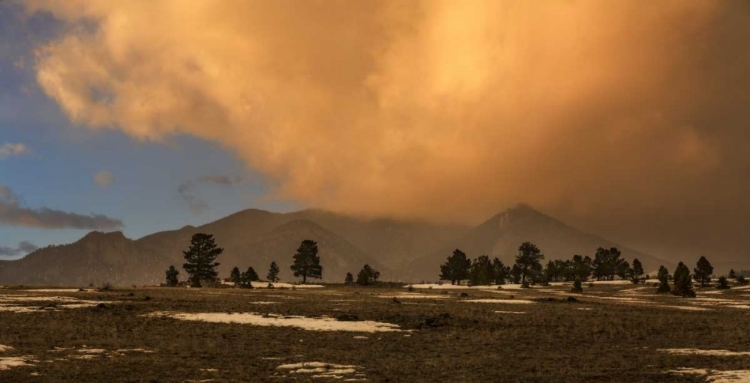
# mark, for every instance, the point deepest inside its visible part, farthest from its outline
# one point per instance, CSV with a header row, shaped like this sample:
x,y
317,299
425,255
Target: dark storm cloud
x,y
13,213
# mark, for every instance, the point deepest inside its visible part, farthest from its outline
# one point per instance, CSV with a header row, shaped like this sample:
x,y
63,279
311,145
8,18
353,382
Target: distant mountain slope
x,y
95,258
401,250
501,235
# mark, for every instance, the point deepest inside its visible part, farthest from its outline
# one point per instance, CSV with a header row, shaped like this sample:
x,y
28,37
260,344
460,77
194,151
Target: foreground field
x,y
611,332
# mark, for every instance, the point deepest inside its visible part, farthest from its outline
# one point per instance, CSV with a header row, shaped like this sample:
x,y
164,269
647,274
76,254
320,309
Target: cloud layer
x,y
12,213
23,248
104,178
628,118
11,150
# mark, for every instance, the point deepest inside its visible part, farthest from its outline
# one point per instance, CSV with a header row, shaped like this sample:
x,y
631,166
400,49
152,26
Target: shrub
x,y
723,283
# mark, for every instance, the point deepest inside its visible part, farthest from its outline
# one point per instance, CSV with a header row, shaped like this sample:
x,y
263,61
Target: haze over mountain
x,y
401,250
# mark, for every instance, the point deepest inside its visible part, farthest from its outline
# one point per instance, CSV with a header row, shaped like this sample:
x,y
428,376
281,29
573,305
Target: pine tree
x,y
367,275
741,279
482,271
456,268
307,262
500,271
234,276
683,282
732,274
251,275
703,271
528,260
581,267
636,271
663,277
247,278
723,283
577,288
273,273
172,275
349,279
201,257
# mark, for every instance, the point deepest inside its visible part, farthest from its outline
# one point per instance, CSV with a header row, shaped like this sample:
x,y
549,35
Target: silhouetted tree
x,y
172,274
606,263
636,271
482,271
577,288
201,257
741,280
349,278
623,270
273,272
683,282
252,275
366,276
663,277
515,274
529,260
307,262
703,271
732,274
500,271
235,276
456,268
246,279
723,283
580,267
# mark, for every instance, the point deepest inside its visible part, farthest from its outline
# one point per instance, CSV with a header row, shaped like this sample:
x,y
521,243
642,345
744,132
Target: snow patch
x,y
414,296
509,301
695,351
312,324
4,348
18,361
510,312
715,376
320,370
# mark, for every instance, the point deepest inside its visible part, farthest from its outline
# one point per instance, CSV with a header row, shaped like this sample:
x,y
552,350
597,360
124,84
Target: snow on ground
x,y
279,285
510,312
263,303
4,348
320,370
695,351
414,296
686,308
716,376
58,290
703,301
19,303
510,301
312,324
16,361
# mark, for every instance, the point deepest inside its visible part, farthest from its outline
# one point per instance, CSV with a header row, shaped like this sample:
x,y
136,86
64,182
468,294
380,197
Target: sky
x,y
628,119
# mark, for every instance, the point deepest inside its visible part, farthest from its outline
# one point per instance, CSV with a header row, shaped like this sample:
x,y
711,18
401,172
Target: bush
x,y
723,283
577,288
525,285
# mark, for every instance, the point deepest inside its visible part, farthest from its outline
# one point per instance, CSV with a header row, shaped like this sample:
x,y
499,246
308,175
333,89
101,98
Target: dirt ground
x,y
610,333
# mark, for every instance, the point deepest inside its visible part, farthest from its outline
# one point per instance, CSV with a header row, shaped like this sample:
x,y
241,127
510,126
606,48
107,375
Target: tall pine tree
x,y
273,272
456,268
201,259
307,262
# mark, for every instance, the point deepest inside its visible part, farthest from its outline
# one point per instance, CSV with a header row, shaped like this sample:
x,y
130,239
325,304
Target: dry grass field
x,y
611,332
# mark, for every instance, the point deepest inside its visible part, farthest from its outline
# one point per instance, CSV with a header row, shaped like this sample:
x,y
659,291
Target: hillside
x,y
501,235
401,250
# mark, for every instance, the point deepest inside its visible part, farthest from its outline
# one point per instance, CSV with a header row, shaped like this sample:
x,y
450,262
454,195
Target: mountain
x,y
501,235
401,250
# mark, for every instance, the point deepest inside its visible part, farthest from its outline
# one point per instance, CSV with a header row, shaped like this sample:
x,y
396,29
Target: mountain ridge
x,y
402,250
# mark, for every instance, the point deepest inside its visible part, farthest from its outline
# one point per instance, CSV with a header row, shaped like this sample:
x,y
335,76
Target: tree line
x,y
605,266
201,266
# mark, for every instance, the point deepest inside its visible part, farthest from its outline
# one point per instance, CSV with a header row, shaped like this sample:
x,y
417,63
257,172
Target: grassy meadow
x,y
611,332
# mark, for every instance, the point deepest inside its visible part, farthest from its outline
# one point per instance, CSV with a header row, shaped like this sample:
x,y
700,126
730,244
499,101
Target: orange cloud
x,y
435,109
